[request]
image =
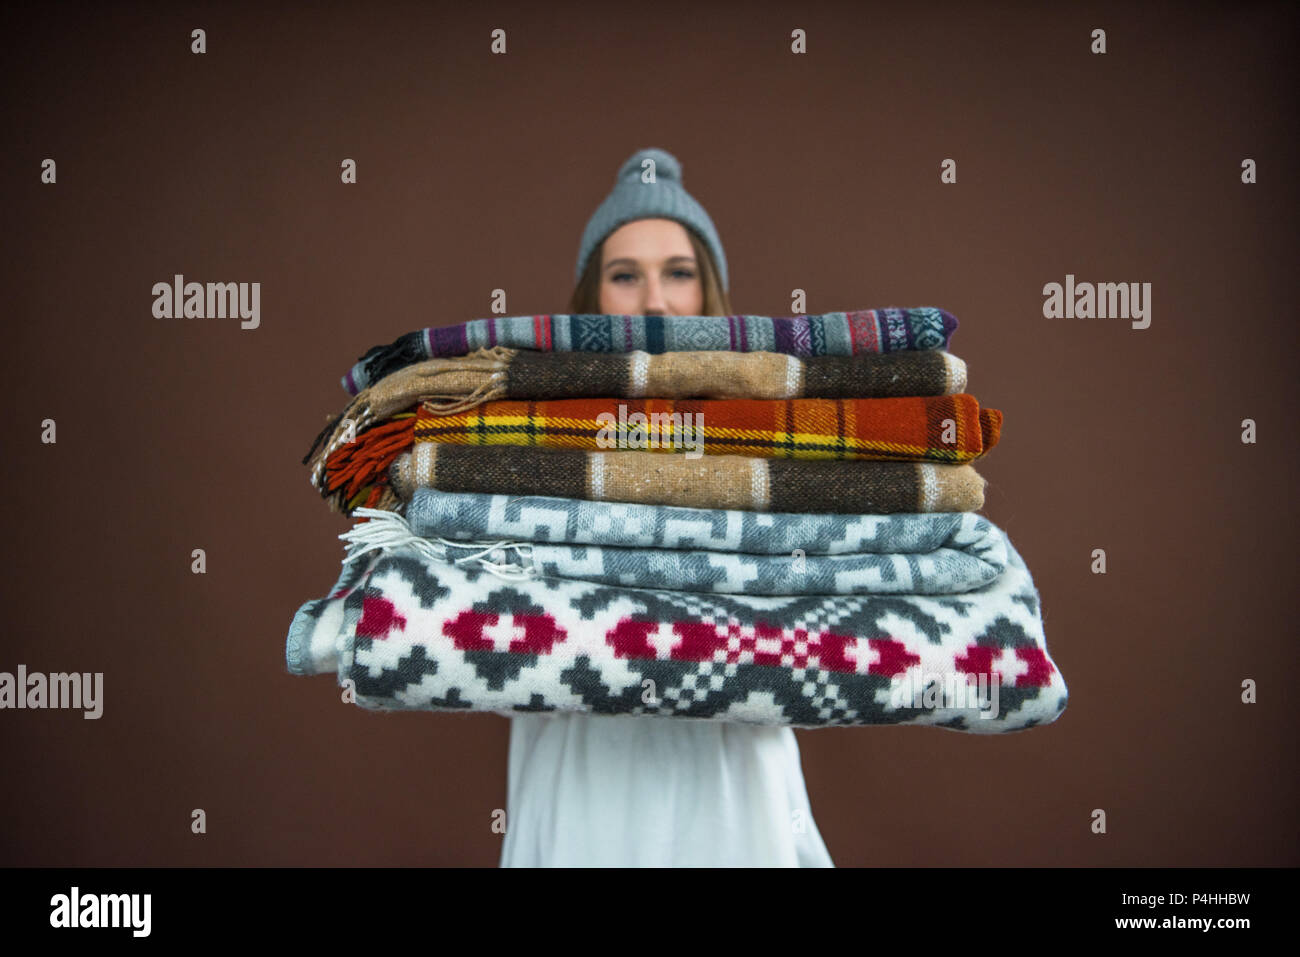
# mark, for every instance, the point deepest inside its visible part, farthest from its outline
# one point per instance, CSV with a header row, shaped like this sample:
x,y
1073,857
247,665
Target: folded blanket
x,y
691,549
830,334
950,429
712,481
469,516
500,373
412,633
945,428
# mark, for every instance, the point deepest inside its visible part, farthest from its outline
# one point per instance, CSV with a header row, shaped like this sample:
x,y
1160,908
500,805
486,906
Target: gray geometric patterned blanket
x,y
695,549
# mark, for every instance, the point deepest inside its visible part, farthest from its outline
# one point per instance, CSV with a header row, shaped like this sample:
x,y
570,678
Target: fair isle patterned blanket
x,y
405,632
694,549
829,334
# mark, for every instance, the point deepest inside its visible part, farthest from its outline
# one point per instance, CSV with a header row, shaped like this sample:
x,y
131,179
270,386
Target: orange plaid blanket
x,y
946,428
935,428
951,429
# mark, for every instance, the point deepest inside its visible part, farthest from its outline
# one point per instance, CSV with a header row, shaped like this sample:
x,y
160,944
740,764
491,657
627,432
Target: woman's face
x,y
648,267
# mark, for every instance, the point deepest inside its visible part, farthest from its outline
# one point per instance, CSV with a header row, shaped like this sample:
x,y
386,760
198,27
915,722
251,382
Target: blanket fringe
x,y
330,426
487,391
379,361
381,529
372,496
494,361
360,419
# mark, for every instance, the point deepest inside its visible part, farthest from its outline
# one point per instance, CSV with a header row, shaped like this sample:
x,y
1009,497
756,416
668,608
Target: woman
x,y
632,791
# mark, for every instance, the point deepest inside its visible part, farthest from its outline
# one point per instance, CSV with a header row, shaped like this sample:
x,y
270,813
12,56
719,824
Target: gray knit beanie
x,y
663,199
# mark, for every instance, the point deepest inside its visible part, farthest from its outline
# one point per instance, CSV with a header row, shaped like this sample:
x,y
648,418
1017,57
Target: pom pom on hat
x,y
666,166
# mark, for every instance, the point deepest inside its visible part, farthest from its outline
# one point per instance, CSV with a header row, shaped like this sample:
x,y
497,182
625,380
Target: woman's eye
x,y
677,273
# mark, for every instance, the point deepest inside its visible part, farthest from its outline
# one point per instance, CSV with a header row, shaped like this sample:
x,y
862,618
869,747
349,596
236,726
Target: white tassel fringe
x,y
387,529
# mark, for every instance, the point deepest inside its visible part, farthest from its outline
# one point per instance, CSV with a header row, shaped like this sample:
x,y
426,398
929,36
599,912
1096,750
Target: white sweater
x,y
631,791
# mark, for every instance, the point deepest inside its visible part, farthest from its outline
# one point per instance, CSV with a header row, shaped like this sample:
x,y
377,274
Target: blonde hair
x,y
586,294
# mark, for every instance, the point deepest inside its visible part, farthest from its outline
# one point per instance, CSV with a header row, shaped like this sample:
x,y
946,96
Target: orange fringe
x,y
353,466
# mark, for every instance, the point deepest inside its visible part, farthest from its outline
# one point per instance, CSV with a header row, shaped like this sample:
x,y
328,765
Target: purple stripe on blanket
x,y
785,335
446,341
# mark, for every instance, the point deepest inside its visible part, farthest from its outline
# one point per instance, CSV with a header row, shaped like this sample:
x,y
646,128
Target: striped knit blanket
x,y
830,334
714,481
949,429
411,633
693,549
464,382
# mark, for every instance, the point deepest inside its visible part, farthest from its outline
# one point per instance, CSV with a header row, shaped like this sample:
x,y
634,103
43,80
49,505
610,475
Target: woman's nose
x,y
654,298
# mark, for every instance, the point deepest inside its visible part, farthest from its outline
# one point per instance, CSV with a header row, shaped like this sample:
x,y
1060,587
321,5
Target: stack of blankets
x,y
764,520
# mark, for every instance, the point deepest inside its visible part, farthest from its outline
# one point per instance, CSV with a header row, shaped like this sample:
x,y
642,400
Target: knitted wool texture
x,y
464,382
711,481
833,333
413,633
707,550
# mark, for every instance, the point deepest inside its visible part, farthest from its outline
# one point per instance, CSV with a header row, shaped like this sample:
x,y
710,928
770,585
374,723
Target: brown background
x,y
477,172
